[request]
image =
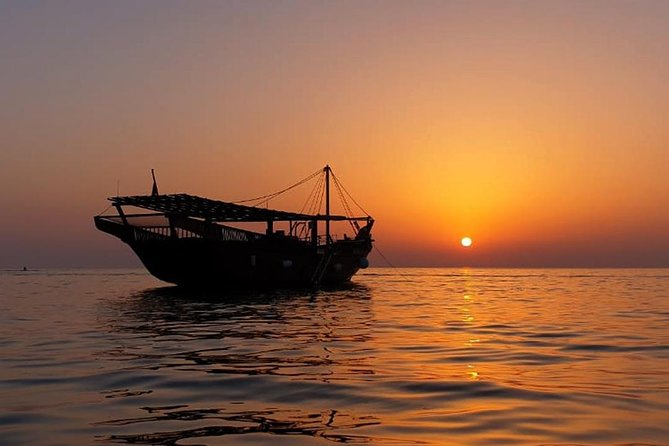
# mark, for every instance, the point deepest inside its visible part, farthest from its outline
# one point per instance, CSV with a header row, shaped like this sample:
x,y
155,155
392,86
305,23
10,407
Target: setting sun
x,y
466,242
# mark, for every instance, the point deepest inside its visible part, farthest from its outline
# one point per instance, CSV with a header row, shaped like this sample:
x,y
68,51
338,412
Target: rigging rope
x,y
308,204
349,195
321,192
347,208
265,198
105,210
318,205
397,270
314,201
342,198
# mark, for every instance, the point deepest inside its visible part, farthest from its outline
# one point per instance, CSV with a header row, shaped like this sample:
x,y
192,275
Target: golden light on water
x,y
466,242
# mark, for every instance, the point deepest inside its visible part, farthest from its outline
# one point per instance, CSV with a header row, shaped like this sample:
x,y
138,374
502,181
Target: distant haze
x,y
539,129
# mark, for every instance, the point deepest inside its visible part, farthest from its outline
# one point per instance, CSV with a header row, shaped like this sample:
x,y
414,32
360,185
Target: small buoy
x,y
287,263
364,263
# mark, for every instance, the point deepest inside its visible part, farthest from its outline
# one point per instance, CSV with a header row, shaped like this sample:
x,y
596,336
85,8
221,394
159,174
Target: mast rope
x,y
397,270
342,198
314,201
321,194
105,209
308,204
266,198
349,195
347,208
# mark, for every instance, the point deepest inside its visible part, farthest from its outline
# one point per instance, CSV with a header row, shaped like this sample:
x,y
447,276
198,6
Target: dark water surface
x,y
415,356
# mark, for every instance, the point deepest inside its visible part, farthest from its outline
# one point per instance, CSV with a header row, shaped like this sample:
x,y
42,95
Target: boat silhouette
x,y
190,241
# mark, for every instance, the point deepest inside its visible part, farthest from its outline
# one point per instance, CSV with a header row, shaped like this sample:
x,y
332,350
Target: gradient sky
x,y
538,128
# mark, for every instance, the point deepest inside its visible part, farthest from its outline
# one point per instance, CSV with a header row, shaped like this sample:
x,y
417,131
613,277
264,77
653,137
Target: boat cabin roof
x,y
193,206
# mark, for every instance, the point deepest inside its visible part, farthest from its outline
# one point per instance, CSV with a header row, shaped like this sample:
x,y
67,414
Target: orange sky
x,y
537,128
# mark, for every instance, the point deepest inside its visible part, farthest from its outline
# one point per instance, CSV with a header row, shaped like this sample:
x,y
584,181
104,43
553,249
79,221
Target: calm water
x,y
415,356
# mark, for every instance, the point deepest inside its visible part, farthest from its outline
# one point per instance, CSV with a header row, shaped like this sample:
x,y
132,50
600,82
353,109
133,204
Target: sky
x,y
537,128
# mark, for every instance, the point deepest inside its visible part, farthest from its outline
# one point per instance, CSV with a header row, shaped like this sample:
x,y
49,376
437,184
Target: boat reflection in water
x,y
278,363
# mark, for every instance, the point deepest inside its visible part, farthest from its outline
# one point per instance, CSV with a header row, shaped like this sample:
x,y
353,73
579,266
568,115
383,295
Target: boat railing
x,y
224,233
145,233
322,239
235,234
182,228
194,228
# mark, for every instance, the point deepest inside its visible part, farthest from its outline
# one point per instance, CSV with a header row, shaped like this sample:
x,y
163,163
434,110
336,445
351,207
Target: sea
x,y
409,356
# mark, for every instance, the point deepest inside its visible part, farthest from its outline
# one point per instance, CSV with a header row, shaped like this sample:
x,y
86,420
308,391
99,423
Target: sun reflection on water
x,y
447,357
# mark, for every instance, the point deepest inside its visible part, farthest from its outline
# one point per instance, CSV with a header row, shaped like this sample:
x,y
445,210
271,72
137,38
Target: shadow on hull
x,y
203,264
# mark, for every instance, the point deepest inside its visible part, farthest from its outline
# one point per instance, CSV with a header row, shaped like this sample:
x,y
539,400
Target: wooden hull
x,y
269,261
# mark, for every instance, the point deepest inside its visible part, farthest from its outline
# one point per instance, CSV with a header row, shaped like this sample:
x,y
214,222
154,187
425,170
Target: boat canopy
x,y
186,205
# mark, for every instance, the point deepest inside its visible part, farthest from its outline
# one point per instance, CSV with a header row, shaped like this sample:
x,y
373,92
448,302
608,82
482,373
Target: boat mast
x,y
154,189
327,204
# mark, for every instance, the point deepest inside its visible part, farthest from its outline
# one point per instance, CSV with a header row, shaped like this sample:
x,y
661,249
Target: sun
x,y
466,242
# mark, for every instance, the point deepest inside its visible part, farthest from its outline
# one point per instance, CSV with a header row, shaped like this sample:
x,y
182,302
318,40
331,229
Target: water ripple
x,y
286,422
466,357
